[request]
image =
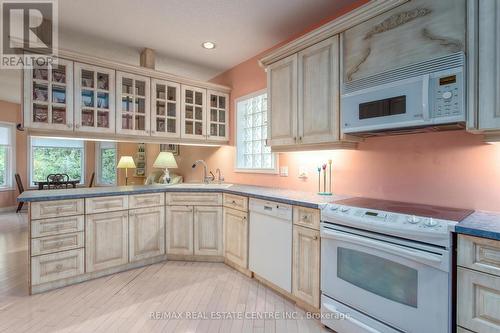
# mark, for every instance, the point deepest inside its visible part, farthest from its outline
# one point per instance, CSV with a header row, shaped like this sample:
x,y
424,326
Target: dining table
x,y
44,183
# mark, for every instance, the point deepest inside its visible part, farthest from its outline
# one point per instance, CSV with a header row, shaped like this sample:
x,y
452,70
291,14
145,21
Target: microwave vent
x,y
450,61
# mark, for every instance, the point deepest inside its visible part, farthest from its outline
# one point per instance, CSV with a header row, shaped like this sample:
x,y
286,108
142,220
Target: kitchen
x,y
337,176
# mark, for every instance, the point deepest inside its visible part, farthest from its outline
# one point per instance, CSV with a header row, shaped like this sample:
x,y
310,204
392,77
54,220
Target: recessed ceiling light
x,y
208,45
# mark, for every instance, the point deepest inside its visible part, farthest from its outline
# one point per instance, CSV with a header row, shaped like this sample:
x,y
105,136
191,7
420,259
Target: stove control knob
x,y
413,219
344,209
431,222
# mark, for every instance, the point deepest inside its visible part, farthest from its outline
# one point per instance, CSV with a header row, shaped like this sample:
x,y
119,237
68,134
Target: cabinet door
x,y
179,226
208,231
282,102
165,107
193,113
318,98
236,236
306,265
410,33
48,96
106,240
146,232
217,119
132,104
489,64
94,99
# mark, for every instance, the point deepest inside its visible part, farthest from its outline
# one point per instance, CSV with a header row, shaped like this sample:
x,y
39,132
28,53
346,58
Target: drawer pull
x,y
59,243
315,238
305,218
59,267
234,202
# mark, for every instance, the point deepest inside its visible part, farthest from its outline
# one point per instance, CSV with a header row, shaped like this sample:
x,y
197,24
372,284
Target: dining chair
x,y
57,181
91,184
20,188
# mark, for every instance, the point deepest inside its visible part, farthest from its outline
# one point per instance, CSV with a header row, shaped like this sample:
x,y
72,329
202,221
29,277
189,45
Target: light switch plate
x,y
284,171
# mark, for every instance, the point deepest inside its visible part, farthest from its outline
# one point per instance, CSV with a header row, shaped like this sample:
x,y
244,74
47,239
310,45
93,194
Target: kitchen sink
x,y
201,185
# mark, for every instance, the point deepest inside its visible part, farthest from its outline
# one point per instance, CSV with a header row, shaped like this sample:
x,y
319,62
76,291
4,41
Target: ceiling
x,y
176,28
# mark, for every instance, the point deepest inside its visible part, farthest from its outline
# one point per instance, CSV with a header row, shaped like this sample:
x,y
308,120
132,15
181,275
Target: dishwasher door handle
x,y
269,208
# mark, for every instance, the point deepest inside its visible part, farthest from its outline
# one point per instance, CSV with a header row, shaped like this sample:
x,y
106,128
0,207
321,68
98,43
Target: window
x,y
49,156
7,141
252,154
105,163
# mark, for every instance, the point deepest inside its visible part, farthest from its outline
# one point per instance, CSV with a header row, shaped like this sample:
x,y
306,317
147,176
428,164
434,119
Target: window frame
x,y
98,170
30,159
238,132
10,159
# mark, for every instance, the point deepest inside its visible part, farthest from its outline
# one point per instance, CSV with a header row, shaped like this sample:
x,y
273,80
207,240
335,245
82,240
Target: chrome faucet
x,y
206,178
220,177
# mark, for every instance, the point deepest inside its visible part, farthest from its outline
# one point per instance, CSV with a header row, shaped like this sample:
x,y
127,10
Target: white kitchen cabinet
x,y
193,112
318,92
165,109
236,236
179,230
94,99
218,116
133,104
306,265
146,233
208,231
282,102
106,240
48,97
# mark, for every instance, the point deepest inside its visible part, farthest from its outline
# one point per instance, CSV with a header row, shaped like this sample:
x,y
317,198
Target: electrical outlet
x,y
302,172
284,171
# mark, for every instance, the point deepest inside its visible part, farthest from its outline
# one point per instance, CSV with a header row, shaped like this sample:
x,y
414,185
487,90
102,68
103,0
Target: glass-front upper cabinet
x,y
217,115
132,104
94,99
165,106
193,109
48,96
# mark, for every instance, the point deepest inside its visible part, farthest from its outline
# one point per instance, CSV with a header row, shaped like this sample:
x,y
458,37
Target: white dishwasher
x,y
270,248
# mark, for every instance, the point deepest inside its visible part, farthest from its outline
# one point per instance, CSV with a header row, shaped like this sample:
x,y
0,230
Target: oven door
x,y
404,287
389,106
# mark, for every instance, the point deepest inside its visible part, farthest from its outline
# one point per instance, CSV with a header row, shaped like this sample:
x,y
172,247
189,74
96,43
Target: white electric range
x,y
386,266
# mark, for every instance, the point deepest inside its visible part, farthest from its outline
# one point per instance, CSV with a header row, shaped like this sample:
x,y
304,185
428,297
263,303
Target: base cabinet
x,y
306,265
106,240
146,233
236,236
208,231
179,226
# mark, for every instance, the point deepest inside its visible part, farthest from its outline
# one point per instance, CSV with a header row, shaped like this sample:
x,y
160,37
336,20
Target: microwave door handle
x,y
415,255
425,98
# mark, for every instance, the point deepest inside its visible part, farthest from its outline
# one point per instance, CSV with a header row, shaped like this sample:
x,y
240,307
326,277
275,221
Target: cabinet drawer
x,y
57,226
106,204
56,266
56,208
56,243
235,202
478,301
194,199
146,200
479,253
306,217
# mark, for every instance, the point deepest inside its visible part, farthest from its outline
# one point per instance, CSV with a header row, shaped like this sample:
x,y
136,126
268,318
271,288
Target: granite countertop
x,y
480,224
307,199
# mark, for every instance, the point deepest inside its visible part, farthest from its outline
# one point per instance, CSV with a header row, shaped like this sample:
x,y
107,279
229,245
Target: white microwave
x,y
420,95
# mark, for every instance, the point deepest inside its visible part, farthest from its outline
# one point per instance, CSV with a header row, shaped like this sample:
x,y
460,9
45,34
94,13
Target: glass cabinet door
x,y
218,116
133,112
49,96
193,113
95,93
165,117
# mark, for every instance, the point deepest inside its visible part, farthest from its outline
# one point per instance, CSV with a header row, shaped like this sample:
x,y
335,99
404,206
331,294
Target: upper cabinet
x,y
132,104
48,97
94,99
218,120
165,109
193,113
407,34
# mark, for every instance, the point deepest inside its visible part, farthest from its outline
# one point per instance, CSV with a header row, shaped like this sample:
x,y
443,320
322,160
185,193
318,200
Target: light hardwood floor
x,y
124,302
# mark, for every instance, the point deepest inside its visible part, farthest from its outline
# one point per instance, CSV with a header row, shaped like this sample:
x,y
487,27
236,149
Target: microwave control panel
x,y
447,94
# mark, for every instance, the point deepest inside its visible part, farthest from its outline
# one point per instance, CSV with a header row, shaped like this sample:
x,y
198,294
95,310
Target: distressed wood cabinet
x,y
57,266
193,113
236,236
217,119
133,112
179,225
146,233
106,240
208,231
165,109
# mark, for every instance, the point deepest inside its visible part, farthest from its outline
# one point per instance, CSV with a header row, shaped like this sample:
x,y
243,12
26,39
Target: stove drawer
x,y
479,254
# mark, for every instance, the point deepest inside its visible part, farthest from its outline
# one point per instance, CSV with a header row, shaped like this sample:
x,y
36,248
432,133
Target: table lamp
x,y
125,163
165,160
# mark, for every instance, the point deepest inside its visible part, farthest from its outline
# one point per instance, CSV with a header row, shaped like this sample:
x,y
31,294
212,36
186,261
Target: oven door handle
x,y
415,255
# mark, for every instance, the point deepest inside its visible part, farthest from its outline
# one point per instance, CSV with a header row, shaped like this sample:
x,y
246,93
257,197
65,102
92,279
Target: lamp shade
x,y
126,162
165,160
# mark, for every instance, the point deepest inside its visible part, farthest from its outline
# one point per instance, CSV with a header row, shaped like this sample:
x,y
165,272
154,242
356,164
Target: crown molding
x,y
336,26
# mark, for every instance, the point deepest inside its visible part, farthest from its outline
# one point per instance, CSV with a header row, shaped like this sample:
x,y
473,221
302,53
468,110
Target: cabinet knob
x,y
300,139
315,238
